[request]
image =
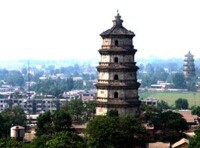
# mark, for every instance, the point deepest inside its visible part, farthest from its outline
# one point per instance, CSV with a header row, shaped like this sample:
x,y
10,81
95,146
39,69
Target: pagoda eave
x,y
117,105
117,86
115,51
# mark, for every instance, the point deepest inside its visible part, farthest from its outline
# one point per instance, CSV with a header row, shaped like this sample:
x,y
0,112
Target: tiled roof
x,y
180,142
117,28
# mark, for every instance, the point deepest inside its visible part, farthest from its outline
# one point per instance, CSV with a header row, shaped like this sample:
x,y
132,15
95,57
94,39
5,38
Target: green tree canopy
x,y
181,103
11,117
53,87
179,81
51,122
170,123
163,105
196,111
14,78
12,143
80,111
106,131
195,141
65,140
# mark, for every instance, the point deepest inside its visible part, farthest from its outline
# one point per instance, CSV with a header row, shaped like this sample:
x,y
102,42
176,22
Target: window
x,y
116,77
116,43
115,94
116,59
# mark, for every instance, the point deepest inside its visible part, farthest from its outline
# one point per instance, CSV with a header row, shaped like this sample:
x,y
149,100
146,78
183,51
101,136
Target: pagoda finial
x,y
117,21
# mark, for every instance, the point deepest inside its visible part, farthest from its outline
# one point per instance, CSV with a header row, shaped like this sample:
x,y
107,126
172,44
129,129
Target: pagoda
x,y
117,87
189,67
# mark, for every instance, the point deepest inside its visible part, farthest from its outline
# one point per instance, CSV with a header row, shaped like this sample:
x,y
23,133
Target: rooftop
x,y
117,28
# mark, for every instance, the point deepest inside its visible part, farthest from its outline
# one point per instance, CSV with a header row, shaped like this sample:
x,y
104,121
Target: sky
x,y
62,29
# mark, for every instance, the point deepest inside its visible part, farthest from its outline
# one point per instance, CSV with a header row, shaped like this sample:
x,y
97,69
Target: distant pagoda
x,y
117,86
189,67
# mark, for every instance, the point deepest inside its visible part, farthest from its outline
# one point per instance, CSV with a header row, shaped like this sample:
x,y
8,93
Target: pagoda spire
x,y
118,21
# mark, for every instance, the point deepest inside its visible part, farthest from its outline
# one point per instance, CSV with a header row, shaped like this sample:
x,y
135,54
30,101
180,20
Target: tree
x,y
61,121
181,103
191,84
89,108
65,140
161,74
53,87
149,113
147,80
51,122
39,141
106,131
196,111
14,78
44,124
70,83
12,116
170,123
163,105
179,81
195,141
12,143
75,108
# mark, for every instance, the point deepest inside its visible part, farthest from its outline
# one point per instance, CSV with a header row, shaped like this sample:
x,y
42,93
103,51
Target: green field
x,y
170,97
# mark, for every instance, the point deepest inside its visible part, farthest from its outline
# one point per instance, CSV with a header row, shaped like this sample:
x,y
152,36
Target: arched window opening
x,y
116,77
115,94
116,43
116,59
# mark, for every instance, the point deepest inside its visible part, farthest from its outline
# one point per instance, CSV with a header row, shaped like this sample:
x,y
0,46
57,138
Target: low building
x,y
190,119
158,145
183,143
150,101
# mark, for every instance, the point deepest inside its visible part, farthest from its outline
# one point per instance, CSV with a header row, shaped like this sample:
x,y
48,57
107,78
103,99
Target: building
x,y
188,66
183,143
158,145
117,86
190,119
150,101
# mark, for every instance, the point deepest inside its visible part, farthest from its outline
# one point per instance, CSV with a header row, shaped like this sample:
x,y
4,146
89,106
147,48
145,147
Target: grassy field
x,y
170,97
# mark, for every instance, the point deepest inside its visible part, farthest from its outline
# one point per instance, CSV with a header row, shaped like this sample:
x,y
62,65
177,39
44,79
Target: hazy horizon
x,y
58,30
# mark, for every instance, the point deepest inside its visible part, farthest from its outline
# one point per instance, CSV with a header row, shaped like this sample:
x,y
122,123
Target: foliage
x,y
170,120
163,105
51,122
195,141
89,110
113,113
65,140
148,113
10,117
166,123
76,108
12,143
14,78
179,81
147,80
191,84
196,110
39,141
53,87
170,123
106,131
80,111
181,103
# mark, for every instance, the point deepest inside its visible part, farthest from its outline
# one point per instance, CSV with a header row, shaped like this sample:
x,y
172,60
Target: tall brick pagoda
x,y
189,67
117,86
